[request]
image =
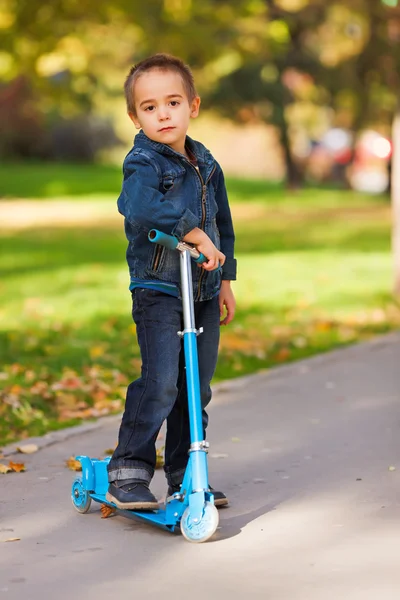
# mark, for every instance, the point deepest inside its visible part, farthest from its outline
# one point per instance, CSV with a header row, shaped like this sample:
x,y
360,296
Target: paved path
x,y
304,453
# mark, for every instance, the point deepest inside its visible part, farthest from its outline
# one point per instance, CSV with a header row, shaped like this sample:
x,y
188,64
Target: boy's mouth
x,y
166,129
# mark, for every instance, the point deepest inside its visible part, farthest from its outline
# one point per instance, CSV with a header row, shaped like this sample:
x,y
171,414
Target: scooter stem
x,y
198,451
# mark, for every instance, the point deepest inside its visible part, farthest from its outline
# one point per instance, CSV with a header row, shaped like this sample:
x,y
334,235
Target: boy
x,y
173,184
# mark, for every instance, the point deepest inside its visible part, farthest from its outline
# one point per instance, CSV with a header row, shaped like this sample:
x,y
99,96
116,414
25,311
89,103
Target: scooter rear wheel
x,y
80,497
203,529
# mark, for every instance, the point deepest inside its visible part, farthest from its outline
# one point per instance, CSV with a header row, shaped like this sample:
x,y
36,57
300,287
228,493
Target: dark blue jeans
x,y
160,393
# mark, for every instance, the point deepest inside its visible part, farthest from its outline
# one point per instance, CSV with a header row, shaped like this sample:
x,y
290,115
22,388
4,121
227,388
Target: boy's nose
x,y
163,114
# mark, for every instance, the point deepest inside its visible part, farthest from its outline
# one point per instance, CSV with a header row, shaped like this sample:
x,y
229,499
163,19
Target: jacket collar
x,y
201,153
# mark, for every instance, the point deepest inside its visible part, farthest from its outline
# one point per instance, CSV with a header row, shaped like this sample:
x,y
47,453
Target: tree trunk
x,y
294,177
396,199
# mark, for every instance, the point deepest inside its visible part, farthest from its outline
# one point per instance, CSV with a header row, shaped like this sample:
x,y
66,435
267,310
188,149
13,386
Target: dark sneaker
x,y
131,494
219,497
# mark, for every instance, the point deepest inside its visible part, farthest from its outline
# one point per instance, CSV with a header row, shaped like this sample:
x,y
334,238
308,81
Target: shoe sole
x,y
217,503
221,502
132,505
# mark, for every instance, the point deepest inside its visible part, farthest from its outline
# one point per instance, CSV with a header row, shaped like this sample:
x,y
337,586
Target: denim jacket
x,y
163,190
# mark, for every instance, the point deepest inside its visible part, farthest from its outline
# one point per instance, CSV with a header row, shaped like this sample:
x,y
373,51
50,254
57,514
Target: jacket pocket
x,y
157,259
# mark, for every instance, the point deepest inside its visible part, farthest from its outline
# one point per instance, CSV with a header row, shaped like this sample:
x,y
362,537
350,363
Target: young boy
x,y
171,183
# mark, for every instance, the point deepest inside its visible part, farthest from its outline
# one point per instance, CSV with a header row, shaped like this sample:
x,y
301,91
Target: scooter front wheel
x,y
80,497
203,529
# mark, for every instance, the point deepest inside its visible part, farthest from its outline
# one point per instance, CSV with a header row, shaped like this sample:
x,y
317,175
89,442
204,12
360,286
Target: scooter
x,y
193,506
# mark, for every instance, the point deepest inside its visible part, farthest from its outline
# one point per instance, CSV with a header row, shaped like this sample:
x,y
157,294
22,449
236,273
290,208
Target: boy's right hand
x,y
204,245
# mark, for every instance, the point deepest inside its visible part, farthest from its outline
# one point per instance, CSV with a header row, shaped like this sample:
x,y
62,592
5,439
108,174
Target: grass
x,y
46,181
314,274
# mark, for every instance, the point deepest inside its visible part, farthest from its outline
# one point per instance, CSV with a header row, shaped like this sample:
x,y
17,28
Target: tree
x,y
376,76
274,59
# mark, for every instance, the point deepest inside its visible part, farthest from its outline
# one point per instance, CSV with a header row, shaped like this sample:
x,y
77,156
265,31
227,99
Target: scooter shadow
x,y
231,527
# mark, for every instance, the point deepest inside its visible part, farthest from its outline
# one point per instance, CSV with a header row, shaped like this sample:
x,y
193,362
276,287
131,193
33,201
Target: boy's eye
x,y
150,108
174,103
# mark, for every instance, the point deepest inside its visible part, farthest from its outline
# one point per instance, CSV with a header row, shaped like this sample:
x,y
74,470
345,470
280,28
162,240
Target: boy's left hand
x,y
227,300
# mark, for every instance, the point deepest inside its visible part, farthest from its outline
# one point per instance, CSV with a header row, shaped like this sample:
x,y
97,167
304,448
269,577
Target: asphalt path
x,y
309,455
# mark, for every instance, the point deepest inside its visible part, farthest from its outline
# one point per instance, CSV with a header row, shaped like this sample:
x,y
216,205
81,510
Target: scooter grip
x,y
170,242
158,237
201,259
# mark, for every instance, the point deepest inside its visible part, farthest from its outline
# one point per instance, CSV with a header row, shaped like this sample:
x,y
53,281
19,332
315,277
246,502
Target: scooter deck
x,y
166,518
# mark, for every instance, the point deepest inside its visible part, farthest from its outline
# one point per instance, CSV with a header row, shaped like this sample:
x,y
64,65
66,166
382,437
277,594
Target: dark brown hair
x,y
163,62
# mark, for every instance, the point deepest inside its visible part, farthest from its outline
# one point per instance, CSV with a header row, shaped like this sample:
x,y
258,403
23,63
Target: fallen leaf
x,y
28,448
282,354
15,389
323,326
96,351
4,468
109,451
17,467
235,439
392,468
160,457
107,511
12,540
73,464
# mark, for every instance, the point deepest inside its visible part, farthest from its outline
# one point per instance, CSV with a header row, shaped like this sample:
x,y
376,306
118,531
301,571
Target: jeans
x,y
160,392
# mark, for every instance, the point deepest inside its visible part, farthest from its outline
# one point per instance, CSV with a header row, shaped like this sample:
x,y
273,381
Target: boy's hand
x,y
227,300
204,245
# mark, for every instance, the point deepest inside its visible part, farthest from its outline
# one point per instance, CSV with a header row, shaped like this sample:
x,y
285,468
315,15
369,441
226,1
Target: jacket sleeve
x,y
141,202
225,227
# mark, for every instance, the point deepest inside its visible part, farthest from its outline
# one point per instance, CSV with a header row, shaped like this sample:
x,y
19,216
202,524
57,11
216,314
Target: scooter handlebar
x,y
158,237
170,242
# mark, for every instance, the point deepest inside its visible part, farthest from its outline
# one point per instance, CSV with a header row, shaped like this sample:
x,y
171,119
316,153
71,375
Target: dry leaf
x,y
392,468
17,467
96,351
323,326
282,354
160,457
109,451
107,511
4,468
235,439
28,448
73,464
12,540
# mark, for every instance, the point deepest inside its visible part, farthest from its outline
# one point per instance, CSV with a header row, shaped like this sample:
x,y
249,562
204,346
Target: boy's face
x,y
163,109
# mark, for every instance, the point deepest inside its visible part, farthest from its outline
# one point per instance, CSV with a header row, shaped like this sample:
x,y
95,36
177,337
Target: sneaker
x,y
131,494
219,497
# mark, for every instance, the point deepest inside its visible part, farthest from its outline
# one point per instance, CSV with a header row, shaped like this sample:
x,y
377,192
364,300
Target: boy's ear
x,y
134,119
195,107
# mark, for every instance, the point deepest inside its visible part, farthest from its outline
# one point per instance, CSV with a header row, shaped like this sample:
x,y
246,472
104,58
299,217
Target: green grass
x,y
49,180
314,273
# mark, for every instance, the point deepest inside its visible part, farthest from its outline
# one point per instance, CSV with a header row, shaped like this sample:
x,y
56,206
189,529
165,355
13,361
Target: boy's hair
x,y
163,62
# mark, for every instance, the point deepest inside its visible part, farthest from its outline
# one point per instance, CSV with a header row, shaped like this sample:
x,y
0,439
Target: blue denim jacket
x,y
163,190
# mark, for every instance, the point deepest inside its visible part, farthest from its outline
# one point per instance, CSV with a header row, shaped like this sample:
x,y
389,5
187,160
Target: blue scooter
x,y
193,506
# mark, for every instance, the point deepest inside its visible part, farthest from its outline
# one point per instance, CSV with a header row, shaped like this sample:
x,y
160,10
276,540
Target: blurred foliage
x,y
27,133
287,62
